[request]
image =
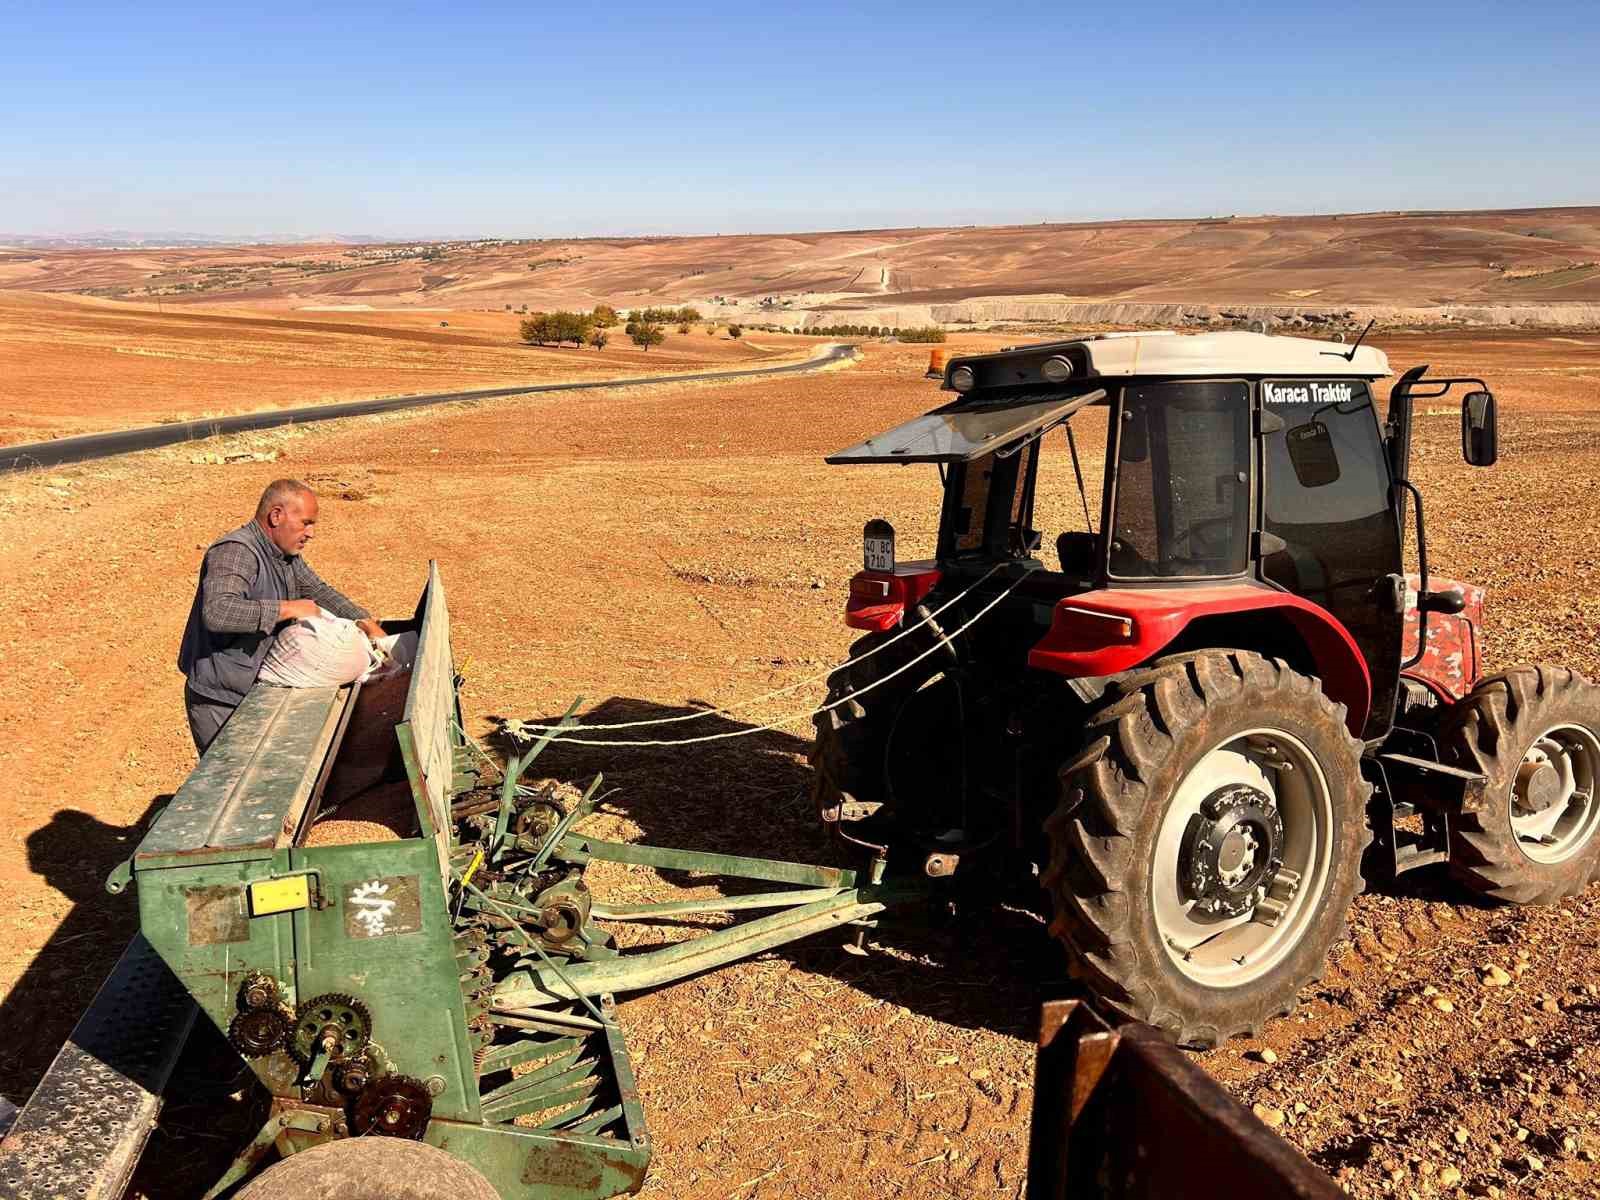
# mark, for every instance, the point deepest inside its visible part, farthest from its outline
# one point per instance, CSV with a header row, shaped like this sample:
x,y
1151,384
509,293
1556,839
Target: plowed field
x,y
653,549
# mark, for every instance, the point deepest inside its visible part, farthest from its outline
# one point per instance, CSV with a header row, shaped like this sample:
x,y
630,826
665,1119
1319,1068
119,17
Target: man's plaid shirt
x,y
230,573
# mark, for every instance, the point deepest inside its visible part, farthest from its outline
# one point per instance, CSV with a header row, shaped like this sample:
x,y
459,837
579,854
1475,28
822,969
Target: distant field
x,y
74,365
1523,256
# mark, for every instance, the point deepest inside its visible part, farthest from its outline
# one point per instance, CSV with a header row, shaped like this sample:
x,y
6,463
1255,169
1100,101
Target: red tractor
x,y
1196,710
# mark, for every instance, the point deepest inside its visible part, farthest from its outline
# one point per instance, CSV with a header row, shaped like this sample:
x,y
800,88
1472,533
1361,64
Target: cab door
x,y
1330,532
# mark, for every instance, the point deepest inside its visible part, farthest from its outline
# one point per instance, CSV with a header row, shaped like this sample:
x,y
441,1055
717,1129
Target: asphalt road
x,y
60,451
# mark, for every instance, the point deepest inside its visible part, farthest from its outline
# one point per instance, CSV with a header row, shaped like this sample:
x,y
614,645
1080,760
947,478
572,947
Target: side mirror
x,y
1478,436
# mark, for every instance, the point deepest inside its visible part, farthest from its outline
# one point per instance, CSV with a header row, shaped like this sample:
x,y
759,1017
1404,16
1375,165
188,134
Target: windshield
x,y
1183,481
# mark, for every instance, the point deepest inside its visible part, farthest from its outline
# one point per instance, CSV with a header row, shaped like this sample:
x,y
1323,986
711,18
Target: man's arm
x,y
313,587
230,573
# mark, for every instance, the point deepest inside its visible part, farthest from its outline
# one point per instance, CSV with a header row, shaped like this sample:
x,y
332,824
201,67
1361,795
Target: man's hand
x,y
371,628
294,610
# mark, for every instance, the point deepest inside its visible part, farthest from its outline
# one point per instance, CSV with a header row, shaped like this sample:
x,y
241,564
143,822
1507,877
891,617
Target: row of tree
x,y
558,328
925,333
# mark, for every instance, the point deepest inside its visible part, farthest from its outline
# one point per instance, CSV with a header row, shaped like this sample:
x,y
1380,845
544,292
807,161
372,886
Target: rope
x,y
781,721
728,710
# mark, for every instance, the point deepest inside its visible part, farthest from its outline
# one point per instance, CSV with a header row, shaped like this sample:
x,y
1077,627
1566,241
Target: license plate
x,y
878,553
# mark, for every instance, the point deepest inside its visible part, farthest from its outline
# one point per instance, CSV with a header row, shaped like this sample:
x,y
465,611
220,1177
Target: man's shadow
x,y
982,966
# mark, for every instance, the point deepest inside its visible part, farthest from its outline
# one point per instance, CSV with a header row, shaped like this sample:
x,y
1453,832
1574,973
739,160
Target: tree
x,y
688,315
735,331
557,327
647,334
604,316
598,337
710,330
631,328
684,328
535,329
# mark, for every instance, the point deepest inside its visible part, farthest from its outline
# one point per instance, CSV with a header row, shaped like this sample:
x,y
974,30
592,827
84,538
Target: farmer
x,y
251,581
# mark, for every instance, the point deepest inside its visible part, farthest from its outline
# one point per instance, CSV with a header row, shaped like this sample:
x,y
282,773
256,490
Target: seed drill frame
x,y
454,986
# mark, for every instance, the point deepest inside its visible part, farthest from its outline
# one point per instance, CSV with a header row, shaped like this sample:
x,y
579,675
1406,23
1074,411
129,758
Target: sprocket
x,y
335,1018
393,1106
257,1032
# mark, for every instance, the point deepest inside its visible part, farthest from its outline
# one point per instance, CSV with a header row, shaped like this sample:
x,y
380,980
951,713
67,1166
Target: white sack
x,y
320,651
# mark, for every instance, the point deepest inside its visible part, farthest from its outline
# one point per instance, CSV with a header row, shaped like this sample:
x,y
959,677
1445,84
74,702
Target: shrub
x,y
735,331
598,337
926,333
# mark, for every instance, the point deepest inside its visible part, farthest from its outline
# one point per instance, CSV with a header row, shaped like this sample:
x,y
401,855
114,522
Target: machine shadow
x,y
984,965
74,853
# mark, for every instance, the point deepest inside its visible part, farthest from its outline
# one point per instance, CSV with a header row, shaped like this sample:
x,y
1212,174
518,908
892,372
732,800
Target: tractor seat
x,y
1076,552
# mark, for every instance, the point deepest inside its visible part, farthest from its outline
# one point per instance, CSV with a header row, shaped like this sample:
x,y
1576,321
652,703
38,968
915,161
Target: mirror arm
x,y
1422,576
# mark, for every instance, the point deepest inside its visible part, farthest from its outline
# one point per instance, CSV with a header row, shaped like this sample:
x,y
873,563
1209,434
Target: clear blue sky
x,y
548,120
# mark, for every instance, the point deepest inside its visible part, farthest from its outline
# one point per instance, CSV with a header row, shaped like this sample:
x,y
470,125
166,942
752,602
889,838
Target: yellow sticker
x,y
269,896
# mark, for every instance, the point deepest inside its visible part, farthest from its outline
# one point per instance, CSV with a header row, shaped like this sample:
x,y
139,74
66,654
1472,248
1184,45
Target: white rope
x,y
781,721
729,709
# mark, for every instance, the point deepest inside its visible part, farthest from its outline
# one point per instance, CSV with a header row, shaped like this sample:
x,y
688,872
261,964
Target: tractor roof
x,y
1165,354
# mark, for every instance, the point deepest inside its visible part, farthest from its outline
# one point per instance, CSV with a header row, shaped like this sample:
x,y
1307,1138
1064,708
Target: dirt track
x,y
647,550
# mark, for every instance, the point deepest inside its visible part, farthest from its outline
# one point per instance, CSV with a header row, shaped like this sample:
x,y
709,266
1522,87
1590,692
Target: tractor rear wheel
x,y
1208,842
849,779
1535,733
370,1168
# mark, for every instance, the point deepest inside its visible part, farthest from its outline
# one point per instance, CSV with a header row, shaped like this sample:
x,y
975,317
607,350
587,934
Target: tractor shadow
x,y
981,967
73,853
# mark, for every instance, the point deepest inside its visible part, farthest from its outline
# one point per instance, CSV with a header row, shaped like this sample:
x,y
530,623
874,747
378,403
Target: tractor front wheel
x,y
1534,732
1208,843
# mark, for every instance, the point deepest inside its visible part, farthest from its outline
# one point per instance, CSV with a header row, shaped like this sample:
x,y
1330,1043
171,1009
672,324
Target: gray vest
x,y
223,666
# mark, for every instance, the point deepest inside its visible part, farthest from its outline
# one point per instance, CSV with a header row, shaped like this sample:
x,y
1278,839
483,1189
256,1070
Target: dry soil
x,y
653,549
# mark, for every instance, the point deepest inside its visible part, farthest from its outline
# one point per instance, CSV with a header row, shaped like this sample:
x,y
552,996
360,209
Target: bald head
x,y
286,513
279,492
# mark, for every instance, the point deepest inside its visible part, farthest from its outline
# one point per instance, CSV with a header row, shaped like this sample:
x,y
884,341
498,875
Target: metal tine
x,y
509,1110
514,1054
561,1066
597,1122
548,1016
583,1094
576,1113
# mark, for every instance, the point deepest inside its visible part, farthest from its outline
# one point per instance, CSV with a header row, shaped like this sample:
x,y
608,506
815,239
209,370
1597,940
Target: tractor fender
x,y
1114,629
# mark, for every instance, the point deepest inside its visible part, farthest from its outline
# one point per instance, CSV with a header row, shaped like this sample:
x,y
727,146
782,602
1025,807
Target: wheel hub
x,y
1232,849
1538,785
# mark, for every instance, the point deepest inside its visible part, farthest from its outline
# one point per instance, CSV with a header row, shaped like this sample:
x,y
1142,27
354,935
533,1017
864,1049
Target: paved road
x,y
123,441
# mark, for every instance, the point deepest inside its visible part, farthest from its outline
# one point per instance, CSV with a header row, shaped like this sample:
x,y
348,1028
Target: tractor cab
x,y
1162,491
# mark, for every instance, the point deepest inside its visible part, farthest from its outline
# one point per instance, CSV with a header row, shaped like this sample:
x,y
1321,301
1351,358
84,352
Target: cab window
x,y
1182,506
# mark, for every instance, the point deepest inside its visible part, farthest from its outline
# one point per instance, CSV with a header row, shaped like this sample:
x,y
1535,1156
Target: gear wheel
x,y
259,990
257,1032
394,1106
335,1014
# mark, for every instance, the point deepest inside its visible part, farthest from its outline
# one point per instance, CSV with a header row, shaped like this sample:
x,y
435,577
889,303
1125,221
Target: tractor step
x,y
81,1133
1410,856
1424,786
1426,766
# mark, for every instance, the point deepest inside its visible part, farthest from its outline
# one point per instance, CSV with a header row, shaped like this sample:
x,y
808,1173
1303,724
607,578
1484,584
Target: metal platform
x,y
80,1135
